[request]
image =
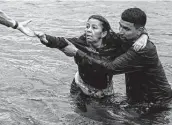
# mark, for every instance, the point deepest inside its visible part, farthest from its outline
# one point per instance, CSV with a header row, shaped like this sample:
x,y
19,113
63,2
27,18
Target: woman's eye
x,y
94,27
87,26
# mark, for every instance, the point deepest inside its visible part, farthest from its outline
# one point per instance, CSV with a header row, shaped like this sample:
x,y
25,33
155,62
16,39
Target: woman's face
x,y
94,31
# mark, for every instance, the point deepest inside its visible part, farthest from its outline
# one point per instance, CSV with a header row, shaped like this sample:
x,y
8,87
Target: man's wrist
x,y
144,32
16,25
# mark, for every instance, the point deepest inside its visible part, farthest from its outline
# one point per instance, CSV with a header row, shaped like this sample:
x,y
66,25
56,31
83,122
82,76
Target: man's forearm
x,y
125,63
6,20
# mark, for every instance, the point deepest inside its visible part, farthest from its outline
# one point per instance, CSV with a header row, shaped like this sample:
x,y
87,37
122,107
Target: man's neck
x,y
130,41
127,44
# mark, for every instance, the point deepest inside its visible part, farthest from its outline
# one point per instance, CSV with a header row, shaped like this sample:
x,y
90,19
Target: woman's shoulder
x,y
78,40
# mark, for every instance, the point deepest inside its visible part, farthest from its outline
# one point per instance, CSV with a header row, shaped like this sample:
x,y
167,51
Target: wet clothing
x,y
144,75
91,78
93,91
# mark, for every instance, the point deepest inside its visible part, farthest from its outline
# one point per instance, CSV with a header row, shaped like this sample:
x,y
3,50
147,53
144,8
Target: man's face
x,y
127,31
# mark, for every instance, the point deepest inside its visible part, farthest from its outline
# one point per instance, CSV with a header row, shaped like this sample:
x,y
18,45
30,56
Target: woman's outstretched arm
x,y
60,43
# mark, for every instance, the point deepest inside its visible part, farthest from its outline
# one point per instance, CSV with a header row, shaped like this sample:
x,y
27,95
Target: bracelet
x,y
16,25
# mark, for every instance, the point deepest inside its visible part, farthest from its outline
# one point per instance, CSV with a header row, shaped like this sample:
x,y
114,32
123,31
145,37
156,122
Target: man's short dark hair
x,y
134,15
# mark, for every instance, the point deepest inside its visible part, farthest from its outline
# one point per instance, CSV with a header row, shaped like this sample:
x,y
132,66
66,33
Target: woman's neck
x,y
96,45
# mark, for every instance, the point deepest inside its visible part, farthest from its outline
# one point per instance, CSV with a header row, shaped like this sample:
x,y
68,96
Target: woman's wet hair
x,y
134,15
106,27
105,23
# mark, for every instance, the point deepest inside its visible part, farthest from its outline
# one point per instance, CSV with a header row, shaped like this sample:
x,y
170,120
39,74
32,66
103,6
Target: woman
x,y
99,41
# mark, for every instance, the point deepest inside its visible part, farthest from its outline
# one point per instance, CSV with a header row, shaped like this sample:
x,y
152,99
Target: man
x,y
145,78
21,26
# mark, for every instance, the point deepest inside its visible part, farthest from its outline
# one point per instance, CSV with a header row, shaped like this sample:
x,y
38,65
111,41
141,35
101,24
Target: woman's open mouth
x,y
88,36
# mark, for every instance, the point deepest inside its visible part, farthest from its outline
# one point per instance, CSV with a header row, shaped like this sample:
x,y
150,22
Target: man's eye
x,y
127,29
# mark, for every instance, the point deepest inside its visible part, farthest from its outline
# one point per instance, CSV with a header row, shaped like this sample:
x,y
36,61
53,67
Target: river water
x,y
35,80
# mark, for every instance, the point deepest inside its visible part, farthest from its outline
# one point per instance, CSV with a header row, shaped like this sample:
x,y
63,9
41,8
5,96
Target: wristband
x,y
16,25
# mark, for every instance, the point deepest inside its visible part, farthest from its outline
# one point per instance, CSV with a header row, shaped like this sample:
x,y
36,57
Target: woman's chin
x,y
89,40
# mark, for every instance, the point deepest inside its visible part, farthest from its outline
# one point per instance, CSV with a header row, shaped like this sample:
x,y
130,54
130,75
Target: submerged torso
x,y
93,74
